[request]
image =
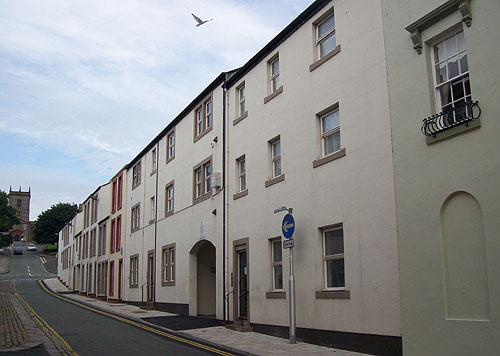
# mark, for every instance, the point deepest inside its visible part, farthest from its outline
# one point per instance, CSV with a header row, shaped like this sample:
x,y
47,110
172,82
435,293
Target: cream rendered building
x,y
447,183
309,129
174,229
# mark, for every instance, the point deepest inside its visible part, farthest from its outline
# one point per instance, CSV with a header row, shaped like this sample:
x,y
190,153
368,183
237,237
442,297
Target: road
x,y
88,333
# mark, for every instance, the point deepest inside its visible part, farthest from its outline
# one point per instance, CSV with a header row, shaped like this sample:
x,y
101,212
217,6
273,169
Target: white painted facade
x,y
354,191
447,194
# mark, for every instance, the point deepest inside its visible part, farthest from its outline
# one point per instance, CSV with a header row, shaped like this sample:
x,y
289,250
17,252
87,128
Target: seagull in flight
x,y
200,21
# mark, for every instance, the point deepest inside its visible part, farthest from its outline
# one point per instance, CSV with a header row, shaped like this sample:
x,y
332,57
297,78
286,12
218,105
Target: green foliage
x,y
51,221
5,240
50,248
7,213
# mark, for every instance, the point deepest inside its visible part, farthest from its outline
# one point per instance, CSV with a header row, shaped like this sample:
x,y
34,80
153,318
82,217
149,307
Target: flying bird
x,y
200,21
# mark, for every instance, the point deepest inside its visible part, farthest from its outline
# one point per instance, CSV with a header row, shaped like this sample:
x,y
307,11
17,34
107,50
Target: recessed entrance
x,y
241,296
203,267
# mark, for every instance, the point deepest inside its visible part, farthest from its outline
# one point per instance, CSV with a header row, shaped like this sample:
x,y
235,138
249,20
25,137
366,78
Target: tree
x,y
51,221
7,213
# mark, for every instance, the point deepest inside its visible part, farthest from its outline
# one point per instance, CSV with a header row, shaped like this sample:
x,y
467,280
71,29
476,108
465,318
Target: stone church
x,y
20,201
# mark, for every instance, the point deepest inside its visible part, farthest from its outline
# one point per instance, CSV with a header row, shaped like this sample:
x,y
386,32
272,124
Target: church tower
x,y
20,201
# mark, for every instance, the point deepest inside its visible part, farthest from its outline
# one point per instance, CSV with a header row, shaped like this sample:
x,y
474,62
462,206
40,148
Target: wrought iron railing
x,y
460,114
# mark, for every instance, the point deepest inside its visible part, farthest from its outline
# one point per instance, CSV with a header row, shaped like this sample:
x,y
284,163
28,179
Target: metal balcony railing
x,y
460,114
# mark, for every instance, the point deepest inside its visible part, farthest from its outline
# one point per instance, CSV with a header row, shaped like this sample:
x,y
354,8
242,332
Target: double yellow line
x,y
43,323
130,322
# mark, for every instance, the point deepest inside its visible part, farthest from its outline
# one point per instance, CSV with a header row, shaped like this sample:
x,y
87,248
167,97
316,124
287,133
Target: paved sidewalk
x,y
246,343
19,332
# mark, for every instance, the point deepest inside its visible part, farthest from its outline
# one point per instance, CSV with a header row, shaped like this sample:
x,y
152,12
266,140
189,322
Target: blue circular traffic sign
x,y
288,226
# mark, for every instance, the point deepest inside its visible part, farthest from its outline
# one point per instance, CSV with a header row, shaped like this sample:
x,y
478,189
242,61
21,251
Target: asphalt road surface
x,y
88,333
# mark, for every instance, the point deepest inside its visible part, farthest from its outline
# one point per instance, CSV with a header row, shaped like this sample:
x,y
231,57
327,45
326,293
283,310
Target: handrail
x,y
455,116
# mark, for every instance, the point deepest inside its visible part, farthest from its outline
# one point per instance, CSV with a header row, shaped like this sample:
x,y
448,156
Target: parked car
x,y
1,251
18,251
31,247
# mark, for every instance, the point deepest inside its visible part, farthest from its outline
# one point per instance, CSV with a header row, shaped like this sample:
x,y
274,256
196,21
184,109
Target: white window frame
x,y
198,173
153,160
330,33
275,264
171,146
136,217
153,208
337,256
325,135
168,265
242,99
274,77
275,158
207,175
242,173
169,199
460,77
136,175
134,271
208,113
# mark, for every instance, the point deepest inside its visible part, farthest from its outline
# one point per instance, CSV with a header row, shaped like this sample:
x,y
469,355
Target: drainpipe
x,y
224,199
156,220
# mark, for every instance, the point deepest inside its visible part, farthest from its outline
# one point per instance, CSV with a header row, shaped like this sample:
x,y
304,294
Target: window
x,y
203,118
451,73
135,217
19,203
111,278
118,237
241,99
168,265
202,181
333,247
274,70
169,199
277,264
120,191
113,234
152,209
102,239
325,36
134,271
153,160
276,157
242,177
114,196
330,132
136,175
171,146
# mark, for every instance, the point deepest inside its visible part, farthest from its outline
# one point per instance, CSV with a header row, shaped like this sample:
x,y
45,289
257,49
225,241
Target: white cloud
x,y
77,76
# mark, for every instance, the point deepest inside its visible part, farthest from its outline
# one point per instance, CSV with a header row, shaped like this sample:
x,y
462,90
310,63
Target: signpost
x,y
288,228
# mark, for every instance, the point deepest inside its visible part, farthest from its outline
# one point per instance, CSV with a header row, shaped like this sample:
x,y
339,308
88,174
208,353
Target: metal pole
x,y
291,300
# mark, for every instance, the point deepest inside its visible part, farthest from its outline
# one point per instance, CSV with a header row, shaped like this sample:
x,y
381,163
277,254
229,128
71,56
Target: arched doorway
x,y
202,268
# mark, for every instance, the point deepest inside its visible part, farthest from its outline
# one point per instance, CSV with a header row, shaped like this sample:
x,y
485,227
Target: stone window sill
x,y
273,181
334,294
331,157
276,295
240,194
207,130
202,198
167,284
239,118
169,213
273,95
324,59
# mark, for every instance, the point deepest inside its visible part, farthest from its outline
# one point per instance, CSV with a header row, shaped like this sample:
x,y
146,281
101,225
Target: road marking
x,y
137,324
43,323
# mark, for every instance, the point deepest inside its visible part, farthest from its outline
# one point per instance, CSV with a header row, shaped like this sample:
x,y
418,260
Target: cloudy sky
x,y
85,85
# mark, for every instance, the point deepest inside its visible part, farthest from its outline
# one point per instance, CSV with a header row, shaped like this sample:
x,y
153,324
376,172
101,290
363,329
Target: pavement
x,y
244,343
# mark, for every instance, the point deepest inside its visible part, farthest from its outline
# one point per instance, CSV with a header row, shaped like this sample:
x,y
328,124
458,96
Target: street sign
x,y
288,243
288,226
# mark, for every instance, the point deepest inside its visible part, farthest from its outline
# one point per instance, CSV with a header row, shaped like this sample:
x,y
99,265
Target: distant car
x,y
1,251
18,251
31,247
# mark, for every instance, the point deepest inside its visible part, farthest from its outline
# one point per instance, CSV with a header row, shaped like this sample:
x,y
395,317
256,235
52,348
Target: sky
x,y
86,85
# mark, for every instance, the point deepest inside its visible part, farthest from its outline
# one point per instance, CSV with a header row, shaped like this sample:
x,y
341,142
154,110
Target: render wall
x,y
356,190
447,195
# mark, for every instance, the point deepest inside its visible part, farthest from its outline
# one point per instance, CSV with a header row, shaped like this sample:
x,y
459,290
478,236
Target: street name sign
x,y
288,243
